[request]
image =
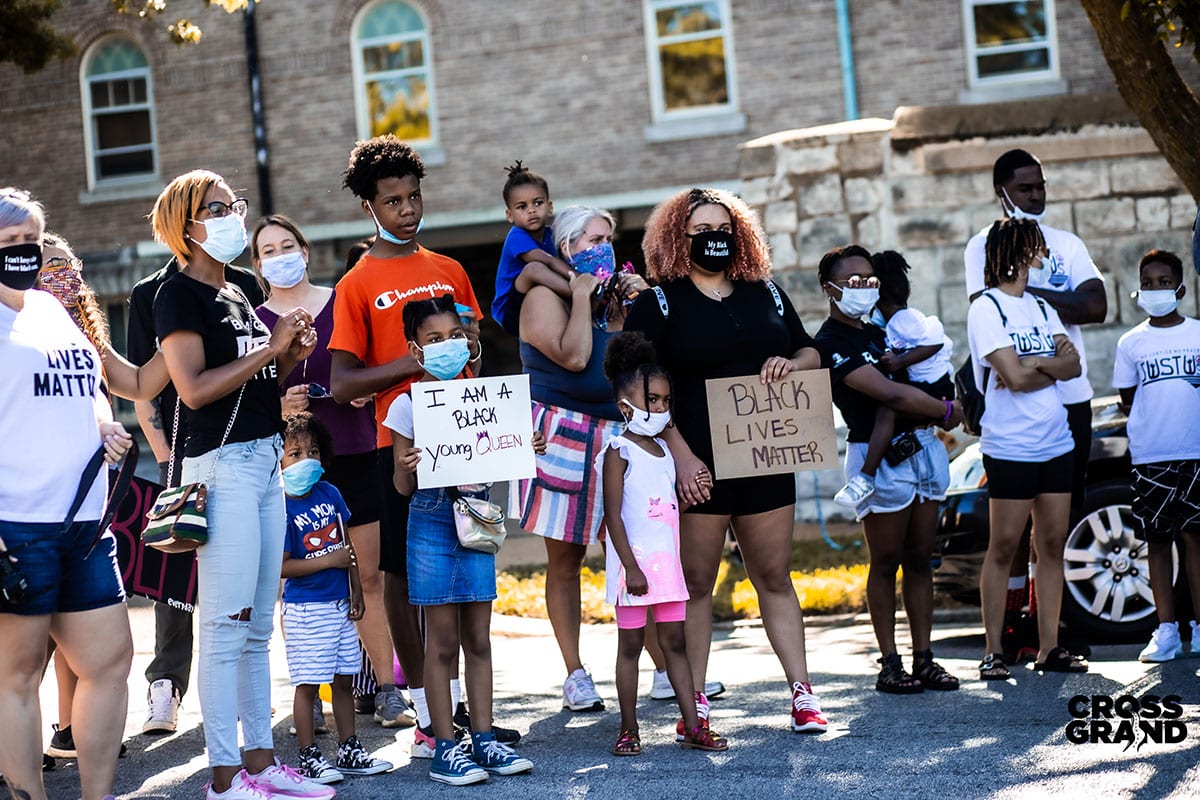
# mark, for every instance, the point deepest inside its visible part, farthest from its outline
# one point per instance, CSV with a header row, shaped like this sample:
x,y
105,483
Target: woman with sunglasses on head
x,y
900,517
280,254
226,366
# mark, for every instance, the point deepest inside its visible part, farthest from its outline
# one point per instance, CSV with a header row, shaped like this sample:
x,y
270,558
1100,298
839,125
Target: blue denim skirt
x,y
440,570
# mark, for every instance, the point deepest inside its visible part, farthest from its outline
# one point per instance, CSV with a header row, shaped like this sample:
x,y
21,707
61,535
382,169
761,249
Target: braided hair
x,y
630,358
520,175
1011,245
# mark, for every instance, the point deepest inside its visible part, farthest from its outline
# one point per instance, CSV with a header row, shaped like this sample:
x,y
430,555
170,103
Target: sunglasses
x,y
216,209
317,391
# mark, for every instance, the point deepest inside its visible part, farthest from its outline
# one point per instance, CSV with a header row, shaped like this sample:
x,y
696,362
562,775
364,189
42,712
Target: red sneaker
x,y
806,713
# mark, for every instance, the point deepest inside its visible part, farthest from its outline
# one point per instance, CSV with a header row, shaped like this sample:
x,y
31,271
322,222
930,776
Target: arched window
x,y
118,107
394,73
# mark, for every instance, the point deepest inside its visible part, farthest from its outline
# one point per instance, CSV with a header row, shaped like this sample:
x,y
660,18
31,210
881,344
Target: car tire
x,y
1106,594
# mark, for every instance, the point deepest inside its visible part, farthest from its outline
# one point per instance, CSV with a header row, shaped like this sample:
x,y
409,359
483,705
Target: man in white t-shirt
x,y
1070,283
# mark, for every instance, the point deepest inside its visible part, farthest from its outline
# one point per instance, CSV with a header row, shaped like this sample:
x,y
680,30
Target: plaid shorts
x,y
1166,499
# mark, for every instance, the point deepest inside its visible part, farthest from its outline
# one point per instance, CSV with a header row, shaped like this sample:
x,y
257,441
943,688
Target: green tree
x,y
1134,36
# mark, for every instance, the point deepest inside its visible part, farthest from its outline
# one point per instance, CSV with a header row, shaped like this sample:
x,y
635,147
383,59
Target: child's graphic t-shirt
x,y
1164,365
909,328
312,531
506,308
651,516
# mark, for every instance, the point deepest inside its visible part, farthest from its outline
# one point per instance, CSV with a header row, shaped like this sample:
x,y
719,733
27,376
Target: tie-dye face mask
x,y
599,261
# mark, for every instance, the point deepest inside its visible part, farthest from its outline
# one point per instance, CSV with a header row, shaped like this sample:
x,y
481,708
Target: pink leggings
x,y
634,617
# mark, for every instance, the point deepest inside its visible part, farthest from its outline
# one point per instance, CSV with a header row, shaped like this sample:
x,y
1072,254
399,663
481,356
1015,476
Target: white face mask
x,y
1158,302
225,237
284,270
1039,276
856,303
646,423
1015,211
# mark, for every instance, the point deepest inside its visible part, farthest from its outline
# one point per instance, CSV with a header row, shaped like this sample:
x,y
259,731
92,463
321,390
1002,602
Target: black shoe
x,y
364,704
462,728
62,743
48,763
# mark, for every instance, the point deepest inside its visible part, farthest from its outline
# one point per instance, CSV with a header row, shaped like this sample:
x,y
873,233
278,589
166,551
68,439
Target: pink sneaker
x,y
806,713
283,781
241,788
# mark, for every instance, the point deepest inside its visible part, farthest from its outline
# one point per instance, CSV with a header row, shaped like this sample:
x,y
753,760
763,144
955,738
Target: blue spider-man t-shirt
x,y
313,531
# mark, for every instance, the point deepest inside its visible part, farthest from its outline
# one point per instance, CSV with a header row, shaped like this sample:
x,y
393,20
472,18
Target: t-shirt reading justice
x,y
708,338
229,329
1164,365
1017,426
368,306
312,532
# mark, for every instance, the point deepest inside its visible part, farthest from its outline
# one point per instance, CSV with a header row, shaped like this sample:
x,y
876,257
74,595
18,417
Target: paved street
x,y
985,740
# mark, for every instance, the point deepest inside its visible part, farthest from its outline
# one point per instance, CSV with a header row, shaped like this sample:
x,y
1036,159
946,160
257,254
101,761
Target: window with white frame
x,y
394,73
690,49
1010,41
118,106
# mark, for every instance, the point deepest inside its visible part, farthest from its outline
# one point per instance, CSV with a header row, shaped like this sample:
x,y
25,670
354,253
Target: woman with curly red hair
x,y
715,314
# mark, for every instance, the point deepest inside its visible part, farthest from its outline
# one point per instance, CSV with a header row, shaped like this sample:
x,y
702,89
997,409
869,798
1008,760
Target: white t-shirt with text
x,y
1164,365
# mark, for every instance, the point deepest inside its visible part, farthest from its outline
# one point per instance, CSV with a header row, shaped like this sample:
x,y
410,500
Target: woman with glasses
x,y
715,314
900,517
280,255
226,366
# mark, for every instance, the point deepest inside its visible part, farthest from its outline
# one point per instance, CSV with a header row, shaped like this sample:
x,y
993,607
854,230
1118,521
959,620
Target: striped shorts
x,y
565,500
320,641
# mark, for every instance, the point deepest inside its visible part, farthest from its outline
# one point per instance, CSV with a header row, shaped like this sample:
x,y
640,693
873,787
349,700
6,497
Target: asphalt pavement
x,y
986,740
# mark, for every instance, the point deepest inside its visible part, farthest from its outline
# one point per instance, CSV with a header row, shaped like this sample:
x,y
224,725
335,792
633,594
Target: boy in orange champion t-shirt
x,y
370,356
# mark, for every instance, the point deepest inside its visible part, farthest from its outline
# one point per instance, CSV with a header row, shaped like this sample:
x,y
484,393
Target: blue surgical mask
x,y
1041,275
876,318
445,360
225,237
1016,212
386,235
284,270
299,478
1158,302
856,303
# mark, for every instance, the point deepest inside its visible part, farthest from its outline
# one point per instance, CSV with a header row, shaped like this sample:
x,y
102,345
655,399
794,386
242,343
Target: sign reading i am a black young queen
x,y
475,430
780,427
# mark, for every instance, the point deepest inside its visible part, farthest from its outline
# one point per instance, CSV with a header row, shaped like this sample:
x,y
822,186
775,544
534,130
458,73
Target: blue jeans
x,y
238,574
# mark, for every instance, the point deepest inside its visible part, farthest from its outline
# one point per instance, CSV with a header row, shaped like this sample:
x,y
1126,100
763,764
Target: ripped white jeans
x,y
238,574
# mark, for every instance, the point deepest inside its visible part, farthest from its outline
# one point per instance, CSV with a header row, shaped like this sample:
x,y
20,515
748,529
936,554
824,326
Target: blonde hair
x,y
176,207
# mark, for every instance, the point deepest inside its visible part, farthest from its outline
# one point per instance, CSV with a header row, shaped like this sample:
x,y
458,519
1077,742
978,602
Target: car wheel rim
x,y
1106,567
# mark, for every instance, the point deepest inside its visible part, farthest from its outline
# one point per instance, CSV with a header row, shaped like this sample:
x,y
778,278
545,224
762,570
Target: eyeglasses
x,y
58,262
858,282
317,391
216,209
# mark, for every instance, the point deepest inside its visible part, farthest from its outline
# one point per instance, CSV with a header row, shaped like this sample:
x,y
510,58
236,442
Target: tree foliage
x,y
1177,22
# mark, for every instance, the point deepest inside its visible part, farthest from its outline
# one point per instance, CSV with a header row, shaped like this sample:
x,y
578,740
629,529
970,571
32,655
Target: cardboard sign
x,y
168,578
782,427
476,430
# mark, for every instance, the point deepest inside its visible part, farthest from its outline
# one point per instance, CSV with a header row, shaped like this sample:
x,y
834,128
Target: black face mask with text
x,y
19,265
712,251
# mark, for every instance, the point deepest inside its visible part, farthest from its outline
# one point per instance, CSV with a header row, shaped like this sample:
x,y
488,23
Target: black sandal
x,y
893,679
992,668
1060,659
931,674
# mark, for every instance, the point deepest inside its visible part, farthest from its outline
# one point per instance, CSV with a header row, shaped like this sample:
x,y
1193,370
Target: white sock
x,y
455,693
422,708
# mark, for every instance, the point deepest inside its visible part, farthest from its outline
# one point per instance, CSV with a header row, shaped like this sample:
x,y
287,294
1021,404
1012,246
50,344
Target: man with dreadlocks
x,y
1068,281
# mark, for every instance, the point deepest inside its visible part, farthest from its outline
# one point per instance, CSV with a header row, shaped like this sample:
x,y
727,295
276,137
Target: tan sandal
x,y
628,743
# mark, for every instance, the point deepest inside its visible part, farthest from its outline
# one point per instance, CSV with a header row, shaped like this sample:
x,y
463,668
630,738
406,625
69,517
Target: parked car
x,y
1106,597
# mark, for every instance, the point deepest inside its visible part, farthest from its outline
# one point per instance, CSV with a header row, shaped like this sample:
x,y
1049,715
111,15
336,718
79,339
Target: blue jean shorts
x,y
62,577
440,570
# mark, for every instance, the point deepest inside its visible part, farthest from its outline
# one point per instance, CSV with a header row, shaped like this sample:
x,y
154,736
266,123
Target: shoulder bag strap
x,y
120,486
662,301
775,295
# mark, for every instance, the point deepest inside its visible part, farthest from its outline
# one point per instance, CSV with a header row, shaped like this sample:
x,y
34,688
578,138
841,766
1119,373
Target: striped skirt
x,y
565,500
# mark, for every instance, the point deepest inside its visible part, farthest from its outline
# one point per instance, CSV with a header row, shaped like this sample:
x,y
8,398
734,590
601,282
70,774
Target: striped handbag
x,y
177,522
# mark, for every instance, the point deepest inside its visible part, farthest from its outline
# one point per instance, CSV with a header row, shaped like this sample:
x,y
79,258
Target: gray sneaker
x,y
392,710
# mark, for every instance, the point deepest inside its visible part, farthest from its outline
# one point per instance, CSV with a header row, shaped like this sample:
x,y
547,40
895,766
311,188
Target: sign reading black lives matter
x,y
475,430
781,427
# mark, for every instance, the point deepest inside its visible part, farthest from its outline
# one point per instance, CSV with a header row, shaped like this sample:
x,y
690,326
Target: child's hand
x,y
584,284
890,362
408,459
357,607
539,443
635,581
337,559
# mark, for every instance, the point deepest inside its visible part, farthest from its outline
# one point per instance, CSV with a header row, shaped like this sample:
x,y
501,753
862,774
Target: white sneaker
x,y
163,713
579,692
661,689
858,489
283,781
1164,644
242,788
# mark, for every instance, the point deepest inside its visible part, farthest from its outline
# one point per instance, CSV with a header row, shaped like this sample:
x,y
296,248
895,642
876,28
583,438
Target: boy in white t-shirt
x,y
1158,364
918,349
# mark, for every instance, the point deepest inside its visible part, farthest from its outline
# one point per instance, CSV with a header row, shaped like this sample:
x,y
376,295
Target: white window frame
x,y
973,52
89,117
430,149
658,107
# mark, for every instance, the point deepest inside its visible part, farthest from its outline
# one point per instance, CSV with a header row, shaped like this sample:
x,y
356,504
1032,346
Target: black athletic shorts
x,y
1166,500
754,495
357,478
1025,480
393,521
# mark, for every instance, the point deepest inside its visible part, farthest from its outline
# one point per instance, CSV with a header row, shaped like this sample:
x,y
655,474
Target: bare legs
x,y
901,539
564,561
450,625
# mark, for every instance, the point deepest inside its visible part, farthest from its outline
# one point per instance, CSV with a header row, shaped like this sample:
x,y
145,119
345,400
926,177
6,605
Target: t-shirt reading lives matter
x,y
506,307
229,329
50,382
368,306
1072,266
1017,426
1164,365
706,338
312,532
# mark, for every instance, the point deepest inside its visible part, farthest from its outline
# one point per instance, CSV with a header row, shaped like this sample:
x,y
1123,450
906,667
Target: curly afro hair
x,y
375,159
666,248
629,361
304,423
